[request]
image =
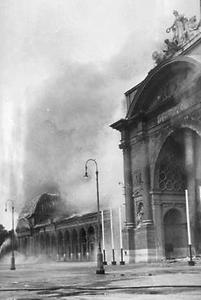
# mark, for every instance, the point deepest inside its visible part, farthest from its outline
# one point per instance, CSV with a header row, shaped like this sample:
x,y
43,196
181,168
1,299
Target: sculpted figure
x,y
140,212
183,29
157,57
193,26
193,23
171,48
178,28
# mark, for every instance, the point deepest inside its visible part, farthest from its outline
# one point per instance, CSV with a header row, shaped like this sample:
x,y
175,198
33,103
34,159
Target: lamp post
x,y
12,267
100,267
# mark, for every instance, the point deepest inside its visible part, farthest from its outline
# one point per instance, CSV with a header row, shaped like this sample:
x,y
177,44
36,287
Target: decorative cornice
x,y
119,125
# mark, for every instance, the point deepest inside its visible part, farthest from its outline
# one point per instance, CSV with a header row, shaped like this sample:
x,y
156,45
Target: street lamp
x,y
12,267
100,267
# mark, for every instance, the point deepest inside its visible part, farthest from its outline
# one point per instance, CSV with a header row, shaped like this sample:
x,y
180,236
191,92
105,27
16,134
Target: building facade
x,y
161,144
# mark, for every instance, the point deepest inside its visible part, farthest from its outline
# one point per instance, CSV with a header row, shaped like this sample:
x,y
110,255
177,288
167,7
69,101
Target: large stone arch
x,y
178,167
165,102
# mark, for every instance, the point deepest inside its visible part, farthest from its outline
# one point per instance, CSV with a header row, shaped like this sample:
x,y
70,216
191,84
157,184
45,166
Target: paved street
x,y
38,280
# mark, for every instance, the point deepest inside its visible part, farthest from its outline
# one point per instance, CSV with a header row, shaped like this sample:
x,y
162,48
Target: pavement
x,y
37,279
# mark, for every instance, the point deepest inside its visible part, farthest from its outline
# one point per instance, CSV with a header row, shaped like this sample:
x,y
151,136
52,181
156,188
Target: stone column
x,y
198,191
147,217
158,221
190,178
129,203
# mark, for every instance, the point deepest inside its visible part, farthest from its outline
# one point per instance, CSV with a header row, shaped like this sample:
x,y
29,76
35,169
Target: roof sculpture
x,y
183,31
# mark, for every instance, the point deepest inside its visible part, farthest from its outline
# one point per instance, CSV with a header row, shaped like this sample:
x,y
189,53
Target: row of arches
x,y
75,244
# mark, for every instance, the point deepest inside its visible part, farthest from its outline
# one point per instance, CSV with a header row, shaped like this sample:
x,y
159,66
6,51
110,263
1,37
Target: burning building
x,y
161,144
46,228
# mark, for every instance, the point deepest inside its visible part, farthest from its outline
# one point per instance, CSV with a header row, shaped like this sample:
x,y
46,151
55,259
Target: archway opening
x,y
47,244
42,244
74,244
91,237
53,246
178,168
83,243
175,234
60,250
67,248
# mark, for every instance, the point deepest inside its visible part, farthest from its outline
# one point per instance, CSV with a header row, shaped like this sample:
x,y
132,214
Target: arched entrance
x,y
53,246
74,244
175,236
42,244
83,243
91,239
47,244
36,245
67,246
60,250
178,168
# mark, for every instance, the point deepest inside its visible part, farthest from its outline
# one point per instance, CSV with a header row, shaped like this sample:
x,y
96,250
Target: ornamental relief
x,y
139,212
137,178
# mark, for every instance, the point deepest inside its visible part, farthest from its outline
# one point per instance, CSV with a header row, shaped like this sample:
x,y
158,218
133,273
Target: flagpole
x,y
112,238
191,262
103,238
122,262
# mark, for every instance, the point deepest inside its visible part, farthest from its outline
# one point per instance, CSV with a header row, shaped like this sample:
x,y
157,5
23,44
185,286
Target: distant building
x,y
46,228
161,144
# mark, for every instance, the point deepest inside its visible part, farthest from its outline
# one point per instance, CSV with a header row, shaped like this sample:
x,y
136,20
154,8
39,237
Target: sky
x,y
65,66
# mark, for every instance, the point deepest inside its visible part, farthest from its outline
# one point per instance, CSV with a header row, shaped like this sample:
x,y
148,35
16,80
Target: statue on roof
x,y
183,30
193,26
158,57
171,48
179,28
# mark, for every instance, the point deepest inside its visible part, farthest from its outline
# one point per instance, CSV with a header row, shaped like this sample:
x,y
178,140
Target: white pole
x,y
103,229
120,229
200,9
111,226
188,218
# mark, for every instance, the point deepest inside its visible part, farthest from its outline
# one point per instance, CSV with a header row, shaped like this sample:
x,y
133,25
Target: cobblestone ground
x,y
36,280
